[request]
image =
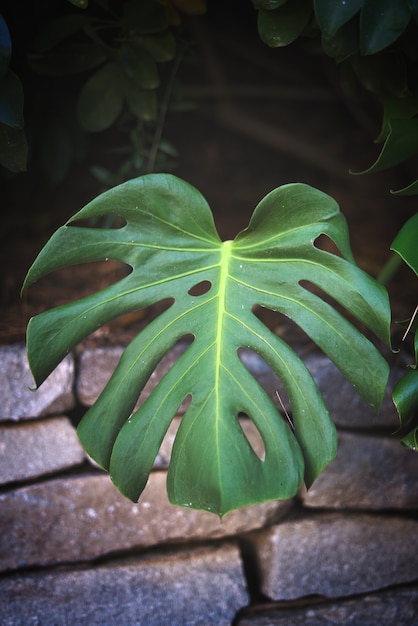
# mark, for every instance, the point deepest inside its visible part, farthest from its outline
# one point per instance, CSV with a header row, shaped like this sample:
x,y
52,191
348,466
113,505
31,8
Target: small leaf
x,y
343,44
142,103
382,23
410,190
139,66
400,145
81,4
405,243
405,398
145,17
282,26
162,47
101,99
170,242
55,31
396,108
332,14
68,61
268,5
413,7
384,74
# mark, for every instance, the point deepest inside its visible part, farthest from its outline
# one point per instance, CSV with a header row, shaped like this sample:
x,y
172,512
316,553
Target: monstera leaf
x,y
170,242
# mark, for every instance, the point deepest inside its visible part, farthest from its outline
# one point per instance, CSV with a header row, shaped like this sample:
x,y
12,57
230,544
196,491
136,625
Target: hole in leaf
x,y
168,360
268,380
280,325
200,288
253,436
323,242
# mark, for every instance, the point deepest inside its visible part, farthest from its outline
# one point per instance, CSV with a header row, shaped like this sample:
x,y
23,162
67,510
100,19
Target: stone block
x,y
98,364
201,587
32,449
367,473
397,607
18,402
336,555
82,518
347,408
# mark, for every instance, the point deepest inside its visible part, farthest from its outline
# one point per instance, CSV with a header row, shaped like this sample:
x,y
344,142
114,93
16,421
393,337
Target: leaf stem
x,y
163,110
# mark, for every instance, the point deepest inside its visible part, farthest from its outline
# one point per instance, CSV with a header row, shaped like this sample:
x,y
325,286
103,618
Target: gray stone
x,y
35,448
18,402
98,364
201,587
345,405
81,518
367,473
387,608
336,555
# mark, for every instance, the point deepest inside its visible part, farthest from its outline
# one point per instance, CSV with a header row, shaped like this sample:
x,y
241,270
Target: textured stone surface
x,y
387,608
35,448
78,519
367,473
345,405
54,396
197,587
336,555
97,366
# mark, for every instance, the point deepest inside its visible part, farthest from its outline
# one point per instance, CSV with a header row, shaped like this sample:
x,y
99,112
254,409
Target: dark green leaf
x,y
406,243
413,7
381,23
268,5
139,66
142,103
410,190
170,242
405,398
282,26
81,4
5,47
396,108
69,60
332,14
344,43
11,101
384,74
162,47
101,100
400,145
55,31
13,149
145,17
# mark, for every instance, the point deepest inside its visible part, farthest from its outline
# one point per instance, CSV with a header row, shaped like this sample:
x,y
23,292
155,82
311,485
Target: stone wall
x,y
75,551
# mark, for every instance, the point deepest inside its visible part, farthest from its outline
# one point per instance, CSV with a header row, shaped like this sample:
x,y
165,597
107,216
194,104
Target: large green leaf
x,y
170,242
405,393
400,145
332,14
282,26
382,23
405,243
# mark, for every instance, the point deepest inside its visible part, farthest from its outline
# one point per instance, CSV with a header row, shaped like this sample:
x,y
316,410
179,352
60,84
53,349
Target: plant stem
x,y
163,111
389,269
